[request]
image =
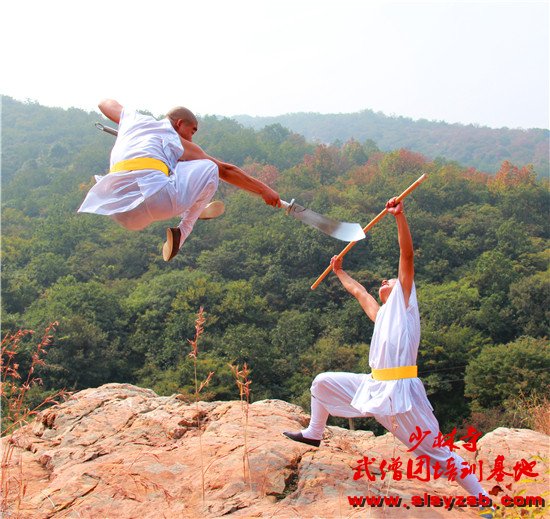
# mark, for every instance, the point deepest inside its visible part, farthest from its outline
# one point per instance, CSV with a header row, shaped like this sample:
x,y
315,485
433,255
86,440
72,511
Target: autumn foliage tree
x,y
481,262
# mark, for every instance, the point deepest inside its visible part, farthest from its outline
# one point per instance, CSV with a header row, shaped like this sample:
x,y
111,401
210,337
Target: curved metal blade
x,y
340,230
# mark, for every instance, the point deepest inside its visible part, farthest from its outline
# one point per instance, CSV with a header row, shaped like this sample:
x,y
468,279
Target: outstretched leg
x,y
403,425
331,394
195,183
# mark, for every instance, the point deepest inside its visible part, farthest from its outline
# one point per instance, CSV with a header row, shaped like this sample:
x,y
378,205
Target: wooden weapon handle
x,y
374,221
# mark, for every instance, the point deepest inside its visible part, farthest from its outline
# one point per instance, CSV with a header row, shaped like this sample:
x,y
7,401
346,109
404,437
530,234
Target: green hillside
x,y
125,315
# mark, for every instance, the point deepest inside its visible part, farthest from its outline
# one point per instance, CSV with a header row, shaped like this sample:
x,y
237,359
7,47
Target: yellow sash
x,y
395,373
140,163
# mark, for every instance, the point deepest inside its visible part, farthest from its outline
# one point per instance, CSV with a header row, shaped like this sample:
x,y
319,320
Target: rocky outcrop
x,y
120,451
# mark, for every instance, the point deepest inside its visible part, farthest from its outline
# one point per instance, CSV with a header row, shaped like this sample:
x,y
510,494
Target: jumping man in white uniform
x,y
392,393
157,173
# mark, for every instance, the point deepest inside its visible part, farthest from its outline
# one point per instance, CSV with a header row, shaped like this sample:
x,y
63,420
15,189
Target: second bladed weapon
x,y
340,230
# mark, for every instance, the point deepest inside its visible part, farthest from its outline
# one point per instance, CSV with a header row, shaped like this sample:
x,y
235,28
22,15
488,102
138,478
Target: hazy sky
x,y
484,62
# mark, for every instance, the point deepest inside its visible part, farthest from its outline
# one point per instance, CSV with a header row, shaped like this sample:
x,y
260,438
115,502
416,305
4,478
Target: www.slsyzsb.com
x,y
447,502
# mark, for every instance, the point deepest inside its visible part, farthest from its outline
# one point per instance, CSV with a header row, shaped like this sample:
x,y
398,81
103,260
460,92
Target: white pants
x,y
332,393
190,189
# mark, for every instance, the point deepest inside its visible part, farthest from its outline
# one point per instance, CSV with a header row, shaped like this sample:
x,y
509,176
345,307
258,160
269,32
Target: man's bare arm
x,y
111,109
367,302
406,255
232,174
236,176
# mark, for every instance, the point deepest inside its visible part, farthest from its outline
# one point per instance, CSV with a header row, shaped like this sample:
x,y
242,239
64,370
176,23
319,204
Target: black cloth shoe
x,y
172,244
298,437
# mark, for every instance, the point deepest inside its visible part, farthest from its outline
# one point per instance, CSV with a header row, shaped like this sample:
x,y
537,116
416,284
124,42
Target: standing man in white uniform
x,y
392,393
157,173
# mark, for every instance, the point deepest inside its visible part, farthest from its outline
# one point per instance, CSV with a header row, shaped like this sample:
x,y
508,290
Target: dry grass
x,y
537,412
199,329
14,389
243,383
530,411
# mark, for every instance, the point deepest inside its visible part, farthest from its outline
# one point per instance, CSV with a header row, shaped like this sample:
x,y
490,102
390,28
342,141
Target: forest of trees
x,y
481,245
476,146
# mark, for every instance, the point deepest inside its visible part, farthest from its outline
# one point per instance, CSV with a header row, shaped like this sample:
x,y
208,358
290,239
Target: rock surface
x,y
119,451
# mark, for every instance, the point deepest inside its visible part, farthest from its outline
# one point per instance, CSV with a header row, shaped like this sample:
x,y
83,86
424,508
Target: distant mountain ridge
x,y
29,128
475,146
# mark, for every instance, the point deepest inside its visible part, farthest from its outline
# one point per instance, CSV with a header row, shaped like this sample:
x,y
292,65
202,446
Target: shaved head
x,y
180,112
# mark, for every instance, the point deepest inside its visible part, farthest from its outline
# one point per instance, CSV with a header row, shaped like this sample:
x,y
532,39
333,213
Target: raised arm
x,y
406,255
232,174
111,109
367,302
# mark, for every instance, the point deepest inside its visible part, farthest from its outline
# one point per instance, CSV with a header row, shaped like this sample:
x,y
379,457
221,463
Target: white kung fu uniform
x,y
399,405
135,199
